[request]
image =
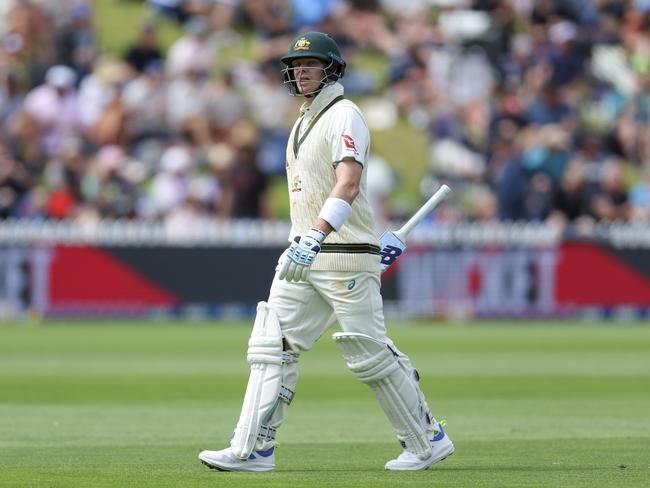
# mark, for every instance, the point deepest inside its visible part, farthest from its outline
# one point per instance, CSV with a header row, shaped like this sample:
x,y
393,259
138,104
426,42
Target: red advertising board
x,y
475,281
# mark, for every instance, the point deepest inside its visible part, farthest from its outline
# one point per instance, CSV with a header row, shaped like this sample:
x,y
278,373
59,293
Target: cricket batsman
x,y
332,266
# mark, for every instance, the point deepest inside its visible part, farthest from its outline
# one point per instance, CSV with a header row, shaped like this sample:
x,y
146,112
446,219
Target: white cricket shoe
x,y
225,460
407,461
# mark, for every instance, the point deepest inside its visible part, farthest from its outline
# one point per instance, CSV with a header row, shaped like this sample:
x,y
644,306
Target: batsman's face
x,y
309,73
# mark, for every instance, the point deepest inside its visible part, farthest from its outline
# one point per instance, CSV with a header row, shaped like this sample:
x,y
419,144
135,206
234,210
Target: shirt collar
x,y
324,97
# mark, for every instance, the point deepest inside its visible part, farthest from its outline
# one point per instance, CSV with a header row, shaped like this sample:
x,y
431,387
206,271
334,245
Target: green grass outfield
x,y
131,405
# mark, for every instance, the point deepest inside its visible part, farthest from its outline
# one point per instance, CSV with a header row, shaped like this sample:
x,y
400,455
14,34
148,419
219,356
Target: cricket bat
x,y
393,243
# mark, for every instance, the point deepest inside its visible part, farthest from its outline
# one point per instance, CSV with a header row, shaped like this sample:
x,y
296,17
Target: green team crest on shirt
x,y
296,184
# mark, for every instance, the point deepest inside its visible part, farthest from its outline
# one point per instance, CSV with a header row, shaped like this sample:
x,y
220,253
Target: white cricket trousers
x,y
305,311
305,308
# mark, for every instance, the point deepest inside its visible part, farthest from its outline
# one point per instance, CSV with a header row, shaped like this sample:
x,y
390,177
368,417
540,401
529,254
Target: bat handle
x,y
430,204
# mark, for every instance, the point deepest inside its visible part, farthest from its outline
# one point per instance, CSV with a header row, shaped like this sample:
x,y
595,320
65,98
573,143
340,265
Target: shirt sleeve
x,y
349,137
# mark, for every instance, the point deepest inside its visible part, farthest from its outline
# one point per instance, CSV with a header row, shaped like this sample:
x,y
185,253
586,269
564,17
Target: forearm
x,y
345,190
323,226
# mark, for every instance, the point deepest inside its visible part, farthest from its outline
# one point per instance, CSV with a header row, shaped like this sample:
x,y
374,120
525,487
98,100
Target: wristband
x,y
335,212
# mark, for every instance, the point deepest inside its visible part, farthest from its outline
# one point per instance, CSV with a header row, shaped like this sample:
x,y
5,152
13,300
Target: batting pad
x,y
375,364
264,383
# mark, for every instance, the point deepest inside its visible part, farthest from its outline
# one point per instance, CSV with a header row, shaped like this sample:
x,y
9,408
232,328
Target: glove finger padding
x,y
285,267
293,271
305,273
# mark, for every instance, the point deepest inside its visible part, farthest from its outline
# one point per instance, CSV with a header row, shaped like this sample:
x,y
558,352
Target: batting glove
x,y
300,256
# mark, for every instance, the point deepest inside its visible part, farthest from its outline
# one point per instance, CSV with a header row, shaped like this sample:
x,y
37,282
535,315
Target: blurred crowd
x,y
534,110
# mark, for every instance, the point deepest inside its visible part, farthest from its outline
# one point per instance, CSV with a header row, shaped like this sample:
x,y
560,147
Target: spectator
x,y
186,219
145,51
270,108
565,59
28,41
246,186
549,107
110,192
76,45
12,98
170,186
60,203
485,206
549,151
571,198
186,105
538,197
101,110
640,196
544,105
54,109
14,184
195,51
227,105
144,102
609,201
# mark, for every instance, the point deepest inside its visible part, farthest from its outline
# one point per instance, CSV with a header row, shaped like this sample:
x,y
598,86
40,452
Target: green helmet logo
x,y
301,44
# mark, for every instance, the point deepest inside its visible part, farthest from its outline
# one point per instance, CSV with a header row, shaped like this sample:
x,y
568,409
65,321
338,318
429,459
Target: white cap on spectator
x,y
111,157
135,171
202,189
61,76
562,31
175,159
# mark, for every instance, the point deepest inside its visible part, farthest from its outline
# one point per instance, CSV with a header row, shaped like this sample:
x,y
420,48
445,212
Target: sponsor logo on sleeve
x,y
349,143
